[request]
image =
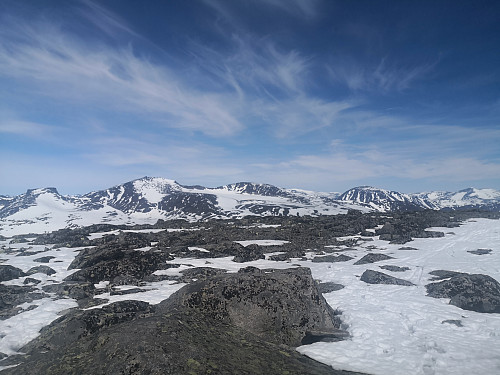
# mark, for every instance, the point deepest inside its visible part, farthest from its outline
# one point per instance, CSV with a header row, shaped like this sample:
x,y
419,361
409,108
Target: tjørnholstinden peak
x,y
148,199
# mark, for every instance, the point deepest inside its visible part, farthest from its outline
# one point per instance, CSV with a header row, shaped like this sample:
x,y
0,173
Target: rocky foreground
x,y
245,322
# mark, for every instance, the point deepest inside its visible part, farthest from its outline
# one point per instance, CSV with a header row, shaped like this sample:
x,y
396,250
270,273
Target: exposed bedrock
x,y
474,292
241,323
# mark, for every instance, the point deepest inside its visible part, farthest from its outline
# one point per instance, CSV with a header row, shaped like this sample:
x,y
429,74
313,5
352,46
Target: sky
x,y
310,94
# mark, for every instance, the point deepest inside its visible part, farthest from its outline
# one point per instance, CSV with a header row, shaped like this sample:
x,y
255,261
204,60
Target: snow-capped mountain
x,y
148,199
386,200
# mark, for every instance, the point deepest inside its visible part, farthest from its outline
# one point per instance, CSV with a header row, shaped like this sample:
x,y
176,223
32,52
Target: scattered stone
x,y
458,323
473,292
30,280
407,248
372,258
8,272
444,274
375,277
74,290
332,259
329,287
13,295
45,259
395,268
200,273
249,253
41,269
228,324
480,251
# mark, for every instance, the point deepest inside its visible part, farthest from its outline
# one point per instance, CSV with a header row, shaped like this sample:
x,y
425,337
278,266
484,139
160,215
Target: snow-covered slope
x,y
386,200
145,200
467,198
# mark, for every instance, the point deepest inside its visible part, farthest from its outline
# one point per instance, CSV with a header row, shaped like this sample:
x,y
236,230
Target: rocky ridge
x,y
220,322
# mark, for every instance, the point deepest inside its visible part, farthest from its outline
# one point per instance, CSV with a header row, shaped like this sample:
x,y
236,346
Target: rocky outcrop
x,y
10,272
227,324
372,258
474,292
394,268
332,259
375,277
279,306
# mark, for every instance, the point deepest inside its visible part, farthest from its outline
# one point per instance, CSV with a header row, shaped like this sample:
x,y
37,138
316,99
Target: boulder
x,y
332,259
395,268
228,324
41,269
473,292
372,258
8,272
375,277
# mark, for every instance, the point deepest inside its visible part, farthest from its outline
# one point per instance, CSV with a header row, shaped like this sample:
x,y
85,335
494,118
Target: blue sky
x,y
320,95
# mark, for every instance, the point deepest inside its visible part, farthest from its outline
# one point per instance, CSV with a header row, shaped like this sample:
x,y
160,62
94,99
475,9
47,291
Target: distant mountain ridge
x,y
148,199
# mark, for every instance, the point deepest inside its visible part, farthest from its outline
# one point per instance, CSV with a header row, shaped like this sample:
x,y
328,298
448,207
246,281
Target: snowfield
x,y
393,329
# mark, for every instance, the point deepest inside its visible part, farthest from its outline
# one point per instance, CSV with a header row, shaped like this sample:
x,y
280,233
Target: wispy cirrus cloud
x,y
70,69
384,76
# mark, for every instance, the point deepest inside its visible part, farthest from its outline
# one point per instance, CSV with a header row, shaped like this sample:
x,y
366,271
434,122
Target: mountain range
x,y
148,199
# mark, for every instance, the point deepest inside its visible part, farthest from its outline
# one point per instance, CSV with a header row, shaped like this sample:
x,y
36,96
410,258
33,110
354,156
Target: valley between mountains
x,y
153,277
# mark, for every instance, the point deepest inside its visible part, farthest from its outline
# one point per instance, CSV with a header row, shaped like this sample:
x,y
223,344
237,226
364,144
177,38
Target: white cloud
x,y
70,70
385,76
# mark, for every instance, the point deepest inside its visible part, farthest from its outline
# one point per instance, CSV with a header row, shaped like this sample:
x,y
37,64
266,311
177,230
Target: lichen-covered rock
x,y
249,253
279,306
474,292
375,277
227,324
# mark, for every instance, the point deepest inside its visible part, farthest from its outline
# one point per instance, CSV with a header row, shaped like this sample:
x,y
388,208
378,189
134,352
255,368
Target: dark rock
x,y
480,251
124,280
41,269
407,248
474,292
316,336
332,259
30,280
395,268
458,323
213,326
249,253
329,287
137,264
200,273
278,306
375,277
45,259
14,295
71,289
443,274
8,272
372,258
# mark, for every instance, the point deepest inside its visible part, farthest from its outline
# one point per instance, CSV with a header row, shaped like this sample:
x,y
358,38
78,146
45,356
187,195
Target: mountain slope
x,y
148,199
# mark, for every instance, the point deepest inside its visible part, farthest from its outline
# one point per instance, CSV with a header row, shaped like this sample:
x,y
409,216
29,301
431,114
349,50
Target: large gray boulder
x,y
227,324
279,306
375,277
474,292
